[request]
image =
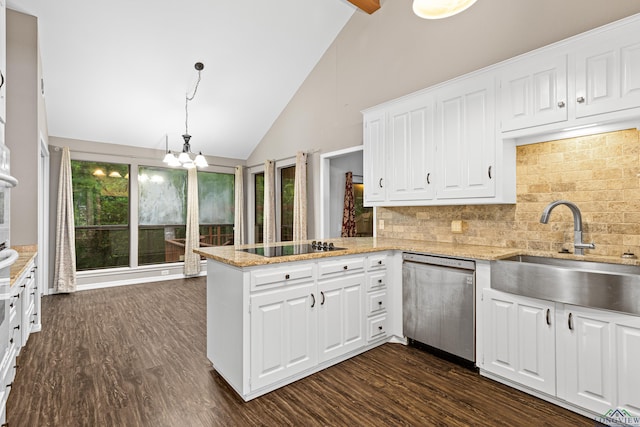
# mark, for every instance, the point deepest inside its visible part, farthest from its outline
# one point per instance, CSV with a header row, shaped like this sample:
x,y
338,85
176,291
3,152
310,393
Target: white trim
x,y
43,217
145,274
325,196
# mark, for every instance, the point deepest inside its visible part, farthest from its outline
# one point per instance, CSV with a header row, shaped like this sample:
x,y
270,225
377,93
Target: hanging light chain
x,y
188,98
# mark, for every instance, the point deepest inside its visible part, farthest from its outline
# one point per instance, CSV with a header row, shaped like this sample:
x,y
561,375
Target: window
x,y
162,212
364,215
101,211
287,186
258,188
216,195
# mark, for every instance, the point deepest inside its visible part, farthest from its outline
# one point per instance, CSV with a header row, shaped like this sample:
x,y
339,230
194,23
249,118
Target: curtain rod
x,y
56,148
308,153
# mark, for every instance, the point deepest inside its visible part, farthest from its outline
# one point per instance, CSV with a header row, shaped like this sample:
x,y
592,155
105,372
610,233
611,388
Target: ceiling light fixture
x,y
184,159
438,9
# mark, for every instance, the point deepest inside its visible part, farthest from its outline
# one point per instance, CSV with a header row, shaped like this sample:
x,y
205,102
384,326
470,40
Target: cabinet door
x,y
466,139
410,143
374,158
628,362
533,92
586,370
608,72
283,334
3,62
520,339
341,316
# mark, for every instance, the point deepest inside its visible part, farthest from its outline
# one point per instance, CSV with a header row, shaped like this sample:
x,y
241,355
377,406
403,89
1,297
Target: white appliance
x,y
8,256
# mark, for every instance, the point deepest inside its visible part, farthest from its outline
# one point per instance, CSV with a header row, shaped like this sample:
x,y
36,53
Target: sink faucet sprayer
x,y
577,224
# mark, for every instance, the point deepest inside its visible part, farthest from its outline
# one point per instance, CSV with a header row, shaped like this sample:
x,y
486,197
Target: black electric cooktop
x,y
286,250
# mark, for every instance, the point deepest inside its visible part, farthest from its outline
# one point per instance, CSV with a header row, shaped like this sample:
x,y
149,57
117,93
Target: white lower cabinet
x,y
341,319
585,357
271,325
522,339
283,334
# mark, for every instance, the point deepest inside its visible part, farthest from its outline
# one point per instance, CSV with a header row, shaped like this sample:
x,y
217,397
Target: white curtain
x,y
192,241
64,276
300,198
238,222
269,226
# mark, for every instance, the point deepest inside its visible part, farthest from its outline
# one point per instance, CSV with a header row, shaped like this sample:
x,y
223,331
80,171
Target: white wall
x,y
392,53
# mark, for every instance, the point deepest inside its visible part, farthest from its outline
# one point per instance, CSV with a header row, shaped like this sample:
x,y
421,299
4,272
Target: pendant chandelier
x,y
437,9
186,158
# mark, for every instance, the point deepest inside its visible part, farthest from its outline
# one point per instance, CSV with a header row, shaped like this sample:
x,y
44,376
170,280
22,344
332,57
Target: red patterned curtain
x,y
349,210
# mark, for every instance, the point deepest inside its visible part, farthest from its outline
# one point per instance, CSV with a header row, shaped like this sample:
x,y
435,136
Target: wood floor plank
x,y
136,356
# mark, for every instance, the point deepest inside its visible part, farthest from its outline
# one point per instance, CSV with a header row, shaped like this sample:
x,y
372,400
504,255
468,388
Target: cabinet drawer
x,y
377,281
344,266
280,276
377,262
377,302
377,327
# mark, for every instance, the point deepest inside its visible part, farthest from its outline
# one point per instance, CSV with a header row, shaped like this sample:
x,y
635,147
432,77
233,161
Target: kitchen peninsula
x,y
274,320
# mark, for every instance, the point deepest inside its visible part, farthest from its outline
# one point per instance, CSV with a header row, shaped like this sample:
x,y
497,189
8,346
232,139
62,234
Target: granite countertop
x,y
26,254
357,245
360,245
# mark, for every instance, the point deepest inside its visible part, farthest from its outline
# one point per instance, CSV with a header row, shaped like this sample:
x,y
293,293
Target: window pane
x,y
287,185
364,216
216,197
101,211
259,207
162,212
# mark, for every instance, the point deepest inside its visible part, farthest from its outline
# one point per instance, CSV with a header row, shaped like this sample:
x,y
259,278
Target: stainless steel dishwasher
x,y
438,303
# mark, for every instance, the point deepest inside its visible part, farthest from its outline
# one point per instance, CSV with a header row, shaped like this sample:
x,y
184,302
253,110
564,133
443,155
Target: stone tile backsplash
x,y
599,173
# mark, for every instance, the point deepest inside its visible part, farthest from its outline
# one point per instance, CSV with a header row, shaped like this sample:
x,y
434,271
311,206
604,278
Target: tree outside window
x,y
101,214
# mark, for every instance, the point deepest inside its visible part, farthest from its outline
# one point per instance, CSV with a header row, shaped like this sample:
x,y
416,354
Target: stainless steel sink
x,y
590,284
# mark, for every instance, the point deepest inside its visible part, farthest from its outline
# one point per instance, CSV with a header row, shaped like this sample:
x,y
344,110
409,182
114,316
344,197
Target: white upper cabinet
x,y
411,150
466,139
374,156
3,61
607,75
533,92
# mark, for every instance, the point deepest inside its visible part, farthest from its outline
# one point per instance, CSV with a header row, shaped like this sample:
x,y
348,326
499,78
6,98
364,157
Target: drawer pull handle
x,y
9,385
322,293
380,183
428,180
380,262
379,328
286,277
346,267
17,327
489,173
548,317
313,299
570,322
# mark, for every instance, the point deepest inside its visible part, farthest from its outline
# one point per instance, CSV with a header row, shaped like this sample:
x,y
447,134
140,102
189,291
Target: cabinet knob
x,y
380,303
286,277
380,281
380,262
346,267
379,328
580,99
561,104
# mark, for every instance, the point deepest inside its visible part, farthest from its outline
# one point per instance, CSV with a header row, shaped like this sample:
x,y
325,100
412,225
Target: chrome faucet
x,y
577,224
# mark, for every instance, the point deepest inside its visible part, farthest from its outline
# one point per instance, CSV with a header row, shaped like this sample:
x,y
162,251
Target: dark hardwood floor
x,y
135,356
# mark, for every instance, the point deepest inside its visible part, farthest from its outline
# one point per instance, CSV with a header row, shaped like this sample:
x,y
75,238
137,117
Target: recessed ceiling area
x,y
118,72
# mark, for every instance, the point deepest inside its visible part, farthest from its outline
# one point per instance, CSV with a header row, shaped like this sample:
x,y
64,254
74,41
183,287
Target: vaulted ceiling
x,y
118,71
